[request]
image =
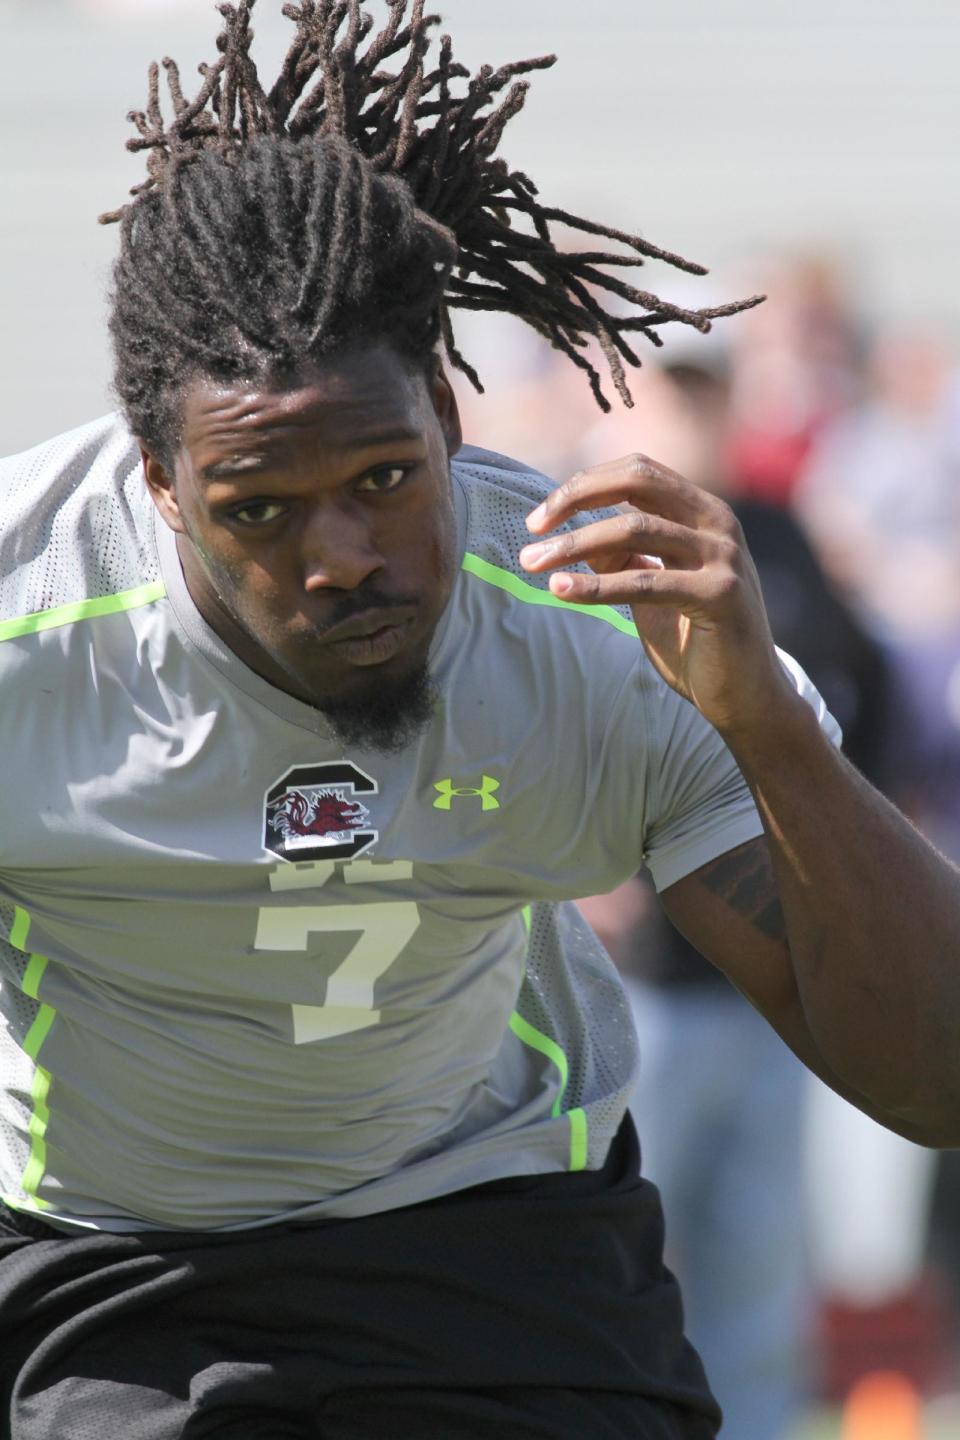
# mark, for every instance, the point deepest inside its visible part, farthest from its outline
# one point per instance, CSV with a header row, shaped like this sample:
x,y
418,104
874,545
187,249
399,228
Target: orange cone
x,y
883,1406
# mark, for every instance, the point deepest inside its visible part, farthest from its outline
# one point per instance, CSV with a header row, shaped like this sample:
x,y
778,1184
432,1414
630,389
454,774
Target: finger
x,y
632,533
635,478
677,588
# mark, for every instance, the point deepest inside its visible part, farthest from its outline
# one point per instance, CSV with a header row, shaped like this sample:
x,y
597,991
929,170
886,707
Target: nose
x,y
339,551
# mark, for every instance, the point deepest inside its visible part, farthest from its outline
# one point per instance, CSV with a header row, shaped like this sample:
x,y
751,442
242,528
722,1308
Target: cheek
x,y
446,541
425,551
220,565
230,576
443,557
251,591
262,594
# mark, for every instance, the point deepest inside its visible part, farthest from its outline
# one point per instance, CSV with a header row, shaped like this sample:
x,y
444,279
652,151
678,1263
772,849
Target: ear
x,y
447,410
162,489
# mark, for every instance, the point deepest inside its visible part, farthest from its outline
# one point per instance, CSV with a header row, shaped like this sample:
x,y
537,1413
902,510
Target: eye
x,y
258,512
385,481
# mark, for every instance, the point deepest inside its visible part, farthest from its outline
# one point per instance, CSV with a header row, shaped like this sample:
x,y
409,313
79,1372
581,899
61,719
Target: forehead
x,y
365,398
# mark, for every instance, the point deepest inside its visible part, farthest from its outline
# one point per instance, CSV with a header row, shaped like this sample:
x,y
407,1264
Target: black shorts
x,y
532,1309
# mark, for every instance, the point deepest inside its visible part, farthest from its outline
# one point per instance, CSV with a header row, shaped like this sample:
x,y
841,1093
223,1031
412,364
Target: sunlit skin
x,y
315,521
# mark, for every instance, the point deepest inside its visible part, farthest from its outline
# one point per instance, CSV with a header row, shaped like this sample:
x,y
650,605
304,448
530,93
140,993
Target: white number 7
x,y
385,928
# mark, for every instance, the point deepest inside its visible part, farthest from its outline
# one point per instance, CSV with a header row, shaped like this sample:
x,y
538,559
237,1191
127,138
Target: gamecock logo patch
x,y
315,812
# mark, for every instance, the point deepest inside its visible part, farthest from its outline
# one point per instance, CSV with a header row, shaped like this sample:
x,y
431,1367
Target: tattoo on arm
x,y
744,879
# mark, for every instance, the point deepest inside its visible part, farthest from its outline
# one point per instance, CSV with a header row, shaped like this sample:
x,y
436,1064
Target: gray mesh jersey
x,y
246,976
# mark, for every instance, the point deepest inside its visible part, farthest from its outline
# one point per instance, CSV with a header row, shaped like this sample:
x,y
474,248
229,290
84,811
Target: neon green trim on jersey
x,y
531,595
33,1042
31,982
578,1139
83,610
39,1120
536,1039
21,929
527,1033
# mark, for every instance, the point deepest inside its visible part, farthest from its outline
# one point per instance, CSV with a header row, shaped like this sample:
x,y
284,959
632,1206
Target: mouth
x,y
371,638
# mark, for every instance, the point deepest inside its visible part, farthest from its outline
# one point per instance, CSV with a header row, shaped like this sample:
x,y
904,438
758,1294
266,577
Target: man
x,y
302,1041
719,1103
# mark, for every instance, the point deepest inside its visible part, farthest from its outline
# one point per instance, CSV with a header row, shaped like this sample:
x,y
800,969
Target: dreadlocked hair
x,y
359,199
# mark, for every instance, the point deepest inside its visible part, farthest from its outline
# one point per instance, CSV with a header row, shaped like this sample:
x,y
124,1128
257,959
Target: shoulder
x,y
499,493
75,520
73,454
473,466
578,667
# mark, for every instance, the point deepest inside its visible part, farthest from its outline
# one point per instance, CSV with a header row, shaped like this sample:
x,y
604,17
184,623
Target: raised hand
x,y
676,555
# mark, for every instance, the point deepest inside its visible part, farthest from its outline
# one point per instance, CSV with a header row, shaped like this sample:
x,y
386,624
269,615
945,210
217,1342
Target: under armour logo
x,y
449,792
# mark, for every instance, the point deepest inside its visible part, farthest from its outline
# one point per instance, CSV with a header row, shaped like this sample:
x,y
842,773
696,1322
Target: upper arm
x,y
730,911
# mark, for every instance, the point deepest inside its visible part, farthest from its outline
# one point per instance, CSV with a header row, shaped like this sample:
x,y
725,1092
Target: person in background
x,y
725,1150
880,499
794,369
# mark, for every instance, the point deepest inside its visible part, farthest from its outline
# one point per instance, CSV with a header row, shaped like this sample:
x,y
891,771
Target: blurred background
x,y
810,153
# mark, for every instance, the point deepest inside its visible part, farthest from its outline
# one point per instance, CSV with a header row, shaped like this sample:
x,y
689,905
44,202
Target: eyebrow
x,y
228,469
240,466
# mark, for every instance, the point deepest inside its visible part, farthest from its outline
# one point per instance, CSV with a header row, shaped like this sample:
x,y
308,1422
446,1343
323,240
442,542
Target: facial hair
x,y
388,719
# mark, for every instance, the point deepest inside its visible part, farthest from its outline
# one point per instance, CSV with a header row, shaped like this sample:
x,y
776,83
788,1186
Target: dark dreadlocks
x,y
358,199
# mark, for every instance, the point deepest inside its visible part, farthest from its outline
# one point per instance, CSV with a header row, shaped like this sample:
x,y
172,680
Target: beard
x,y
389,718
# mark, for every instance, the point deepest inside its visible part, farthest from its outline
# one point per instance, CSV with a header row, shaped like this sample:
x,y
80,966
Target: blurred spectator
x,y
868,1195
692,433
536,406
795,367
880,498
720,1102
880,495
793,362
718,1109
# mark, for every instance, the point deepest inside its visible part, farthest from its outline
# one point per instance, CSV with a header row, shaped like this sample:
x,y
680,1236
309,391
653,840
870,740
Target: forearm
x,y
872,918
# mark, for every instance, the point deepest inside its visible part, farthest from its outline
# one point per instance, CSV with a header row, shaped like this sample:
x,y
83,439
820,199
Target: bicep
x,y
730,911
